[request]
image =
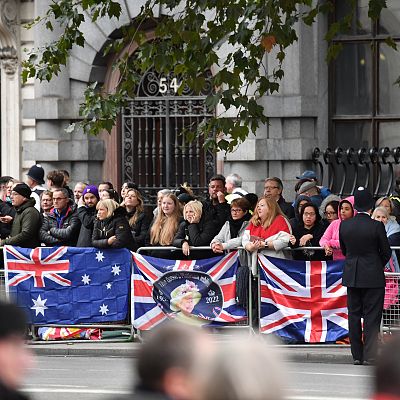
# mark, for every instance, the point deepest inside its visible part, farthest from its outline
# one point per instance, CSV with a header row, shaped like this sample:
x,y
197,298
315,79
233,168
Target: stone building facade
x,y
302,116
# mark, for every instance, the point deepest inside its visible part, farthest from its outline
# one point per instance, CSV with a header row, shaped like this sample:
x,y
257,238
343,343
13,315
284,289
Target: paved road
x,y
63,378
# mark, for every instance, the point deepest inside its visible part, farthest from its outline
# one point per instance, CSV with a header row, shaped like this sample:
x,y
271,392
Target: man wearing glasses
x,y
61,225
26,223
273,188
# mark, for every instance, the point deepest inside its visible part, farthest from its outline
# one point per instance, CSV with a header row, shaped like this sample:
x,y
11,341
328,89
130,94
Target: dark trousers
x,y
366,303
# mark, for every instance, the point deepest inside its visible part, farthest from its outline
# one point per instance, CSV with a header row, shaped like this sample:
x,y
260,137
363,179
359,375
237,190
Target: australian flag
x,y
197,292
303,301
69,285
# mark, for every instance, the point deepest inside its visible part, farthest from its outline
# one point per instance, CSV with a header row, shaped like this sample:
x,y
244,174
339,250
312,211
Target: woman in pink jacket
x,y
330,239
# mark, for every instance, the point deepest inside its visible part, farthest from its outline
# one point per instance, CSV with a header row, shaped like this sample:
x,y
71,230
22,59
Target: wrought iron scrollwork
x,y
315,157
154,84
155,150
346,169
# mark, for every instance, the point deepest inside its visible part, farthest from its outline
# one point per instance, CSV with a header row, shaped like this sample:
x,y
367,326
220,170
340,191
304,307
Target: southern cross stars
x,y
39,305
116,270
99,256
86,279
104,309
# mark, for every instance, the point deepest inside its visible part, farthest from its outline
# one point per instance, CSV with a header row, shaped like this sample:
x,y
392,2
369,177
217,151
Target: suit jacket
x,y
364,243
286,207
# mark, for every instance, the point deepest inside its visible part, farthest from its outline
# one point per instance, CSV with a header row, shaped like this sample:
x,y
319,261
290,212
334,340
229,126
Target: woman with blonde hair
x,y
137,218
269,231
392,229
166,223
198,229
111,228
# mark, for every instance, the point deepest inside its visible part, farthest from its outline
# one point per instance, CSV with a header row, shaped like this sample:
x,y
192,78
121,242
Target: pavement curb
x,y
127,350
323,358
328,355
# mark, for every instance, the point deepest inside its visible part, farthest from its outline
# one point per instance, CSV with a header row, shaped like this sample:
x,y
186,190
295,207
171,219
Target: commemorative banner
x,y
196,292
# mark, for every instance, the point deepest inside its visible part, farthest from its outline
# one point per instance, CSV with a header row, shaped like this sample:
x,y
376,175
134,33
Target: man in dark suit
x,y
364,243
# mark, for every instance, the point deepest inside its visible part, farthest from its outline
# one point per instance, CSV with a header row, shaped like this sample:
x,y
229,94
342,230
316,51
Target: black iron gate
x,y
155,152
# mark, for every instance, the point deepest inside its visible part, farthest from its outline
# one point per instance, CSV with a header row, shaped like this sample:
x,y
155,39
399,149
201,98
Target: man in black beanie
x,y
26,223
15,357
364,243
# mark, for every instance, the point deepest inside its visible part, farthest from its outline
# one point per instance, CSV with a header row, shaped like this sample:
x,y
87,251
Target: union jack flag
x,y
303,300
220,271
37,266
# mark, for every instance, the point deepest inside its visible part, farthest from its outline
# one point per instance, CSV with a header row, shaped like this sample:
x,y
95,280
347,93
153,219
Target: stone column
x,y
10,89
10,118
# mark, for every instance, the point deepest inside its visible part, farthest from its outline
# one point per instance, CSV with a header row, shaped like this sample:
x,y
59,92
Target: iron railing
x,y
343,170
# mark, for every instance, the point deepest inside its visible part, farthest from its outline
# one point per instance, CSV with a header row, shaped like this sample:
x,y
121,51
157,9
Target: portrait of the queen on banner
x,y
188,296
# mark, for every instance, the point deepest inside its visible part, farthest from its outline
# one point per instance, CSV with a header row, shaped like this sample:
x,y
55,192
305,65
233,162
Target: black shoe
x,y
371,361
357,362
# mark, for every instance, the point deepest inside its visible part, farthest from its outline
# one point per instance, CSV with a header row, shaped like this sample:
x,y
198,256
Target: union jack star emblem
x,y
36,266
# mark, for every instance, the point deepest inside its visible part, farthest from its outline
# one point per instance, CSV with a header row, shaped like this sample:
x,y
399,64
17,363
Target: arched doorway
x,y
155,152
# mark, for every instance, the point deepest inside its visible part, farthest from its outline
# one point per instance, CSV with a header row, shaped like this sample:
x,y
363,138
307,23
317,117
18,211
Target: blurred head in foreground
x,y
387,376
166,361
243,369
15,358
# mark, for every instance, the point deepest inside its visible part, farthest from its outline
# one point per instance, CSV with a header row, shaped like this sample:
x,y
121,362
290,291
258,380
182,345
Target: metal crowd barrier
x,y
390,320
391,309
2,285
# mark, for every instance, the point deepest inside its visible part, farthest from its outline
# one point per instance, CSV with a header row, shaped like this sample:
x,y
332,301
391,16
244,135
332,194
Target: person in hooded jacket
x,y
308,233
87,214
111,228
198,229
296,221
330,212
139,222
330,239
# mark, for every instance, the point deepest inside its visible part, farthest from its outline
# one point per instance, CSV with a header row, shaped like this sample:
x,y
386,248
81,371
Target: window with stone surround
x,y
364,99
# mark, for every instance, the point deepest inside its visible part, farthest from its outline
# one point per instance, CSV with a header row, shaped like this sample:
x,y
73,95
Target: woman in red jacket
x,y
268,231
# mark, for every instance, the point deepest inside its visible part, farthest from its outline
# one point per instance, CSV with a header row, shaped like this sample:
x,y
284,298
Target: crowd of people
x,y
32,215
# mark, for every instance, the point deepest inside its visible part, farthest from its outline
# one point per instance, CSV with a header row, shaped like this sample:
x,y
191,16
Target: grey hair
x,y
63,191
383,210
237,371
235,179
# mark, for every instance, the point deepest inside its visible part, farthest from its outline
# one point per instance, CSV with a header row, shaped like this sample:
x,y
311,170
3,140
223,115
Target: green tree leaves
x,y
231,38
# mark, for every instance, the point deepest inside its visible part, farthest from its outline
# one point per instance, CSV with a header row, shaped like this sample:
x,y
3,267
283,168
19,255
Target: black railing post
x,y
339,161
316,153
385,153
327,155
350,153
